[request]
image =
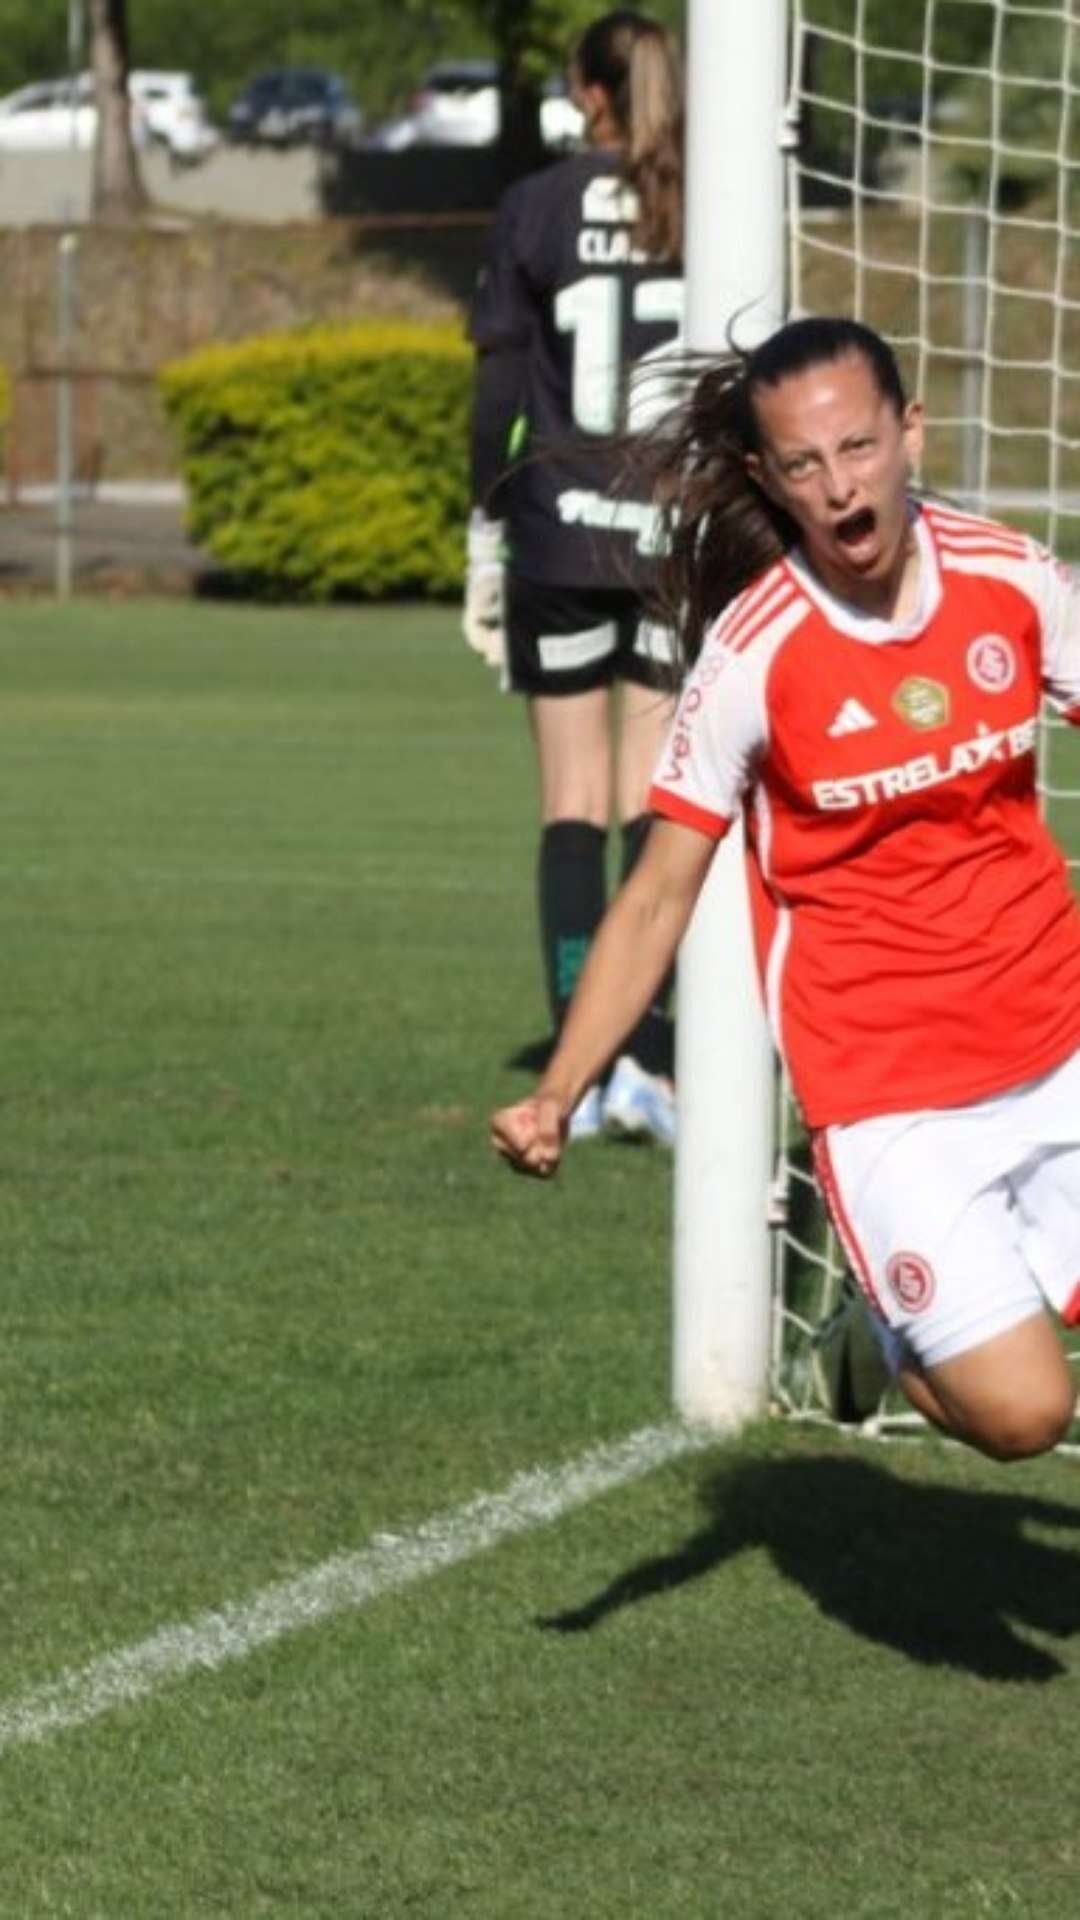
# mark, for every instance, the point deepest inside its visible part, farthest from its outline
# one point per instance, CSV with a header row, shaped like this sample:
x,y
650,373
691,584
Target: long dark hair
x,y
720,529
637,64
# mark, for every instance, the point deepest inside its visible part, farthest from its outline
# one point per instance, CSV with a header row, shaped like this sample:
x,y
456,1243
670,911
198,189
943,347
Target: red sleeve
x,y
672,806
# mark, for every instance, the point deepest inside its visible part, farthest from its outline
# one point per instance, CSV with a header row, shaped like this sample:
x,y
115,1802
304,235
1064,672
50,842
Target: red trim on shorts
x,y
1070,1312
674,807
827,1181
1072,714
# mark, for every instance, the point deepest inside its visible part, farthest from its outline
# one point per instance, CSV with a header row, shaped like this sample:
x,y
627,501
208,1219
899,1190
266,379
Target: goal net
x,y
934,192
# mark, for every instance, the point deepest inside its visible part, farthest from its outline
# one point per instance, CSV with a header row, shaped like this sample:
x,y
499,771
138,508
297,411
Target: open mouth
x,y
856,527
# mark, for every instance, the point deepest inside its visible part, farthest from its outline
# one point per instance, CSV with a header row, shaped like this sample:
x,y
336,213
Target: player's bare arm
x,y
632,952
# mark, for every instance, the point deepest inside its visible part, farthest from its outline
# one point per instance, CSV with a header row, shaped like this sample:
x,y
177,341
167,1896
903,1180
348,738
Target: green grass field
x,y
267,904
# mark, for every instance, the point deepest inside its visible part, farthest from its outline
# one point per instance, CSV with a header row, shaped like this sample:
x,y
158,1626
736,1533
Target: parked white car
x,y
173,113
457,105
562,123
54,115
48,115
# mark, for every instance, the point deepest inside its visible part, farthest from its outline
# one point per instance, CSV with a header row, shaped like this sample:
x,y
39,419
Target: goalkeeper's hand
x,y
485,588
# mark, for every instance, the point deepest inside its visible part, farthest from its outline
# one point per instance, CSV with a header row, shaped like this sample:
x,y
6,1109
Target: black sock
x,y
652,1043
572,893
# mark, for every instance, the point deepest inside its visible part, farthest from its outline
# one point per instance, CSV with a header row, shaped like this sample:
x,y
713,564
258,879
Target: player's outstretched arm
x,y
529,1136
629,957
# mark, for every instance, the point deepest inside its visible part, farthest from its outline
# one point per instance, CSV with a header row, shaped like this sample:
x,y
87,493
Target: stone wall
x,y
148,294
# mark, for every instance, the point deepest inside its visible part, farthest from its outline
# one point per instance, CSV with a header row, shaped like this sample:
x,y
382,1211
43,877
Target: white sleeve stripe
x,y
981,543
745,603
761,621
1013,568
955,520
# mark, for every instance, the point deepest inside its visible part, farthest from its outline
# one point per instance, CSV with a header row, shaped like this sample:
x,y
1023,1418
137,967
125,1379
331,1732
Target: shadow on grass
x,y
946,1576
533,1056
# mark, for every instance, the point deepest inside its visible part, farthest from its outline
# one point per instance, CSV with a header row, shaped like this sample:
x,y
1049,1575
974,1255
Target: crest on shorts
x,y
911,1279
991,662
922,703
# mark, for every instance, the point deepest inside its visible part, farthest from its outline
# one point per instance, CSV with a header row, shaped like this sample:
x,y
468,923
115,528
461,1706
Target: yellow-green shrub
x,y
330,462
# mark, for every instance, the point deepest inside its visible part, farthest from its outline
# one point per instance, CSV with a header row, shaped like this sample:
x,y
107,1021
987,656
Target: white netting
x,y
934,192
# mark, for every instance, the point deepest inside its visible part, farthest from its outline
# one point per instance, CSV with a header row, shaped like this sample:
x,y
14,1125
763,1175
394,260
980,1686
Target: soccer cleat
x,y
587,1119
854,1360
639,1105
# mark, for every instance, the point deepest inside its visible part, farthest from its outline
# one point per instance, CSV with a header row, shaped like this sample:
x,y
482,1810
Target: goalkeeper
x,y
866,671
583,279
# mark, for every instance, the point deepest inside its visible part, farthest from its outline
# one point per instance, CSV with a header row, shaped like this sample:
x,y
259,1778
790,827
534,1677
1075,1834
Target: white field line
x,y
341,1584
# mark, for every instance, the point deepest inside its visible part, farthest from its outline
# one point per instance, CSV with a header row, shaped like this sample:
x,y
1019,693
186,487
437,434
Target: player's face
x,y
837,456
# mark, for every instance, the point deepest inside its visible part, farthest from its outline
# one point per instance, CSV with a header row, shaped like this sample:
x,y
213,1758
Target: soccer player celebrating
x,y
865,677
583,281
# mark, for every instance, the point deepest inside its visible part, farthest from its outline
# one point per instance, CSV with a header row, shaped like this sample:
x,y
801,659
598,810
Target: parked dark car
x,y
295,106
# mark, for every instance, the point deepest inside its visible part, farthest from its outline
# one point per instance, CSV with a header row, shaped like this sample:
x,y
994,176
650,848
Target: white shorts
x,y
962,1221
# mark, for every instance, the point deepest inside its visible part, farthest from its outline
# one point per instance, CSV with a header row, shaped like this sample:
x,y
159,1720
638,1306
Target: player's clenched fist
x,y
530,1135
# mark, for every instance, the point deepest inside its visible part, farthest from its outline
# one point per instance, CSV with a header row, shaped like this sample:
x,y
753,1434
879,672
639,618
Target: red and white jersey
x,y
916,935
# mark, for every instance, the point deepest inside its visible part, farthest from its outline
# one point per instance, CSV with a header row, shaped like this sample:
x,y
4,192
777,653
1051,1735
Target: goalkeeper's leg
x,y
566,647
644,720
640,1100
572,737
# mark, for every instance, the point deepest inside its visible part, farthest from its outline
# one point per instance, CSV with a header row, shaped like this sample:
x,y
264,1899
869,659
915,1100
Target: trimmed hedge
x,y
329,463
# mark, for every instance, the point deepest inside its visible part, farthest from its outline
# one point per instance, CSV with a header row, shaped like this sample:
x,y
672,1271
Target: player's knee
x,y
1025,1428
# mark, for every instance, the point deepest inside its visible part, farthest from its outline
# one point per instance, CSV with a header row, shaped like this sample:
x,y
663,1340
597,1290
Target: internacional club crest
x,y
911,1279
923,703
991,663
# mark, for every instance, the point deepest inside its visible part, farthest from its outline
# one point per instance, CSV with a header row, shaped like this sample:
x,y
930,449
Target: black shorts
x,y
573,639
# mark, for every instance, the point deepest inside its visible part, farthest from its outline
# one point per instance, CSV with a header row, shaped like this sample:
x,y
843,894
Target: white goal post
x,y
736,62
932,163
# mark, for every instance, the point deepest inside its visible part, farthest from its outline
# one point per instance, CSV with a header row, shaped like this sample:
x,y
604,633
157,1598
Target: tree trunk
x,y
117,192
520,148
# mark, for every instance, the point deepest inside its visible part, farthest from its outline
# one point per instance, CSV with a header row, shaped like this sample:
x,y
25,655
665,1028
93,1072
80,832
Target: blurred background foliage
x,y
381,47
997,75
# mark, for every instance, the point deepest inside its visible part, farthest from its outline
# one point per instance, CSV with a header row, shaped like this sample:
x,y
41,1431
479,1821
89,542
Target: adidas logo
x,y
852,718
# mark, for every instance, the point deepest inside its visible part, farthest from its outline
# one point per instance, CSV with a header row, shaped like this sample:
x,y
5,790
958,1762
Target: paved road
x,y
235,183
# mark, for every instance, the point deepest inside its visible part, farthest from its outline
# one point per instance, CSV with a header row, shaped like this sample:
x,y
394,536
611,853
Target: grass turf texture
x,y
267,938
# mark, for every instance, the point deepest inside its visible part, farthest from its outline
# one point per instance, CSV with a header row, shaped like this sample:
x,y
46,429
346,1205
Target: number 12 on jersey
x,y
593,311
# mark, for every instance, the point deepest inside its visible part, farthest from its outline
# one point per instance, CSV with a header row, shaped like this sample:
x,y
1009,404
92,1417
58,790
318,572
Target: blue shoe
x,y
639,1105
587,1119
